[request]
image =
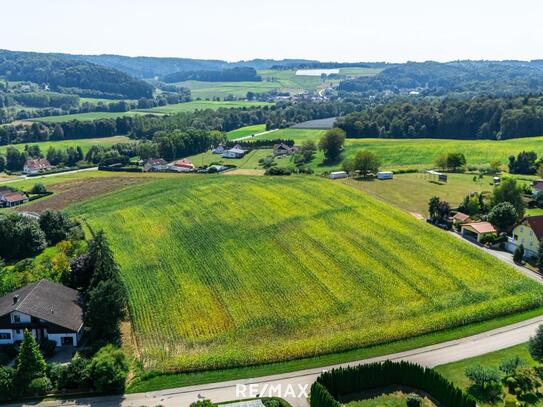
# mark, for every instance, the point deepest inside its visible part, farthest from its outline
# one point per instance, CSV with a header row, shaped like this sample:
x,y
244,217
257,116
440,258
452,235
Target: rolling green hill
x,y
227,271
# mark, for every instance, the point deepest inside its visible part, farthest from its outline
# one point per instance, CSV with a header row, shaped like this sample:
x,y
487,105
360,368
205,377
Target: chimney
x,y
15,299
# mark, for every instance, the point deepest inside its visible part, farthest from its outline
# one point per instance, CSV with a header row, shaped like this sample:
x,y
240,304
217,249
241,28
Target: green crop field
x,y
249,162
209,90
201,105
227,271
85,144
245,131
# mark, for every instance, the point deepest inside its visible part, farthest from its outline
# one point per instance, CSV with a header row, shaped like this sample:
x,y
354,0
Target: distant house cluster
x,y
10,198
36,166
160,165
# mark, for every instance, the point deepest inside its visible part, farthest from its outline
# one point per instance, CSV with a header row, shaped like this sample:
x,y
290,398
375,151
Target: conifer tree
x,y
30,362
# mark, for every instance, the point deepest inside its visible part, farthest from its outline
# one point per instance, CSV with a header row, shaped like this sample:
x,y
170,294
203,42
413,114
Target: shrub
x,y
518,254
7,388
510,401
38,188
203,403
278,171
413,400
108,370
535,345
39,386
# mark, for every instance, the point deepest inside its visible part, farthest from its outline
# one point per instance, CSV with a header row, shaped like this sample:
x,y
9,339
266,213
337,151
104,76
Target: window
x,y
5,336
16,319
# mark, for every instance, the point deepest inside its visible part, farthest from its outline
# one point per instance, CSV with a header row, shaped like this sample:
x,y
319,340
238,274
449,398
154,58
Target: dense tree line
x,y
331,386
239,74
483,117
61,73
39,100
467,77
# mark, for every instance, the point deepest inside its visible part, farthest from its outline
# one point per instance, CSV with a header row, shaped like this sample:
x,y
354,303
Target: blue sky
x,y
338,30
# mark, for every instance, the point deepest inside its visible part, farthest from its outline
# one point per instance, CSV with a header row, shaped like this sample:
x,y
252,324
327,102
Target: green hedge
x,y
331,386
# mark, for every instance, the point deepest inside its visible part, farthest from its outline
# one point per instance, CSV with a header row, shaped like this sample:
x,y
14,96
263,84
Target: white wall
x,y
25,319
58,338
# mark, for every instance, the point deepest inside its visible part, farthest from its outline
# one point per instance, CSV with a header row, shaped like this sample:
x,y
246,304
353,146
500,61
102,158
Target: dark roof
x,y
155,161
46,300
536,223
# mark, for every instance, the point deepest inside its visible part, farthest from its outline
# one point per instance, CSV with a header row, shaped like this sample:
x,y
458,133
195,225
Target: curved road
x,y
430,356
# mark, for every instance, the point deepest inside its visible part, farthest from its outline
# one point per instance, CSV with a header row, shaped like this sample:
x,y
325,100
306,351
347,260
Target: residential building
x,y
283,149
9,198
182,166
460,217
36,166
218,150
235,152
529,233
48,310
155,164
477,230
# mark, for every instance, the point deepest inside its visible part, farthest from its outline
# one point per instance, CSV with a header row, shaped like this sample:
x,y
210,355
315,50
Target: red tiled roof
x,y
536,224
14,197
461,217
183,163
481,227
37,164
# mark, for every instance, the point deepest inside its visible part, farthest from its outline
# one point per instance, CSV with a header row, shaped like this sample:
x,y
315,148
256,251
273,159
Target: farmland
x,y
84,116
85,144
201,105
249,162
243,270
245,131
416,153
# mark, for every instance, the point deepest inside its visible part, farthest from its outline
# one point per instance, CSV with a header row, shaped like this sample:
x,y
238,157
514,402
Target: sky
x,y
334,30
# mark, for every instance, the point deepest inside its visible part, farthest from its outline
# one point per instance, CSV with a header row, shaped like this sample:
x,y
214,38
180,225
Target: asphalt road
x,y
48,175
295,383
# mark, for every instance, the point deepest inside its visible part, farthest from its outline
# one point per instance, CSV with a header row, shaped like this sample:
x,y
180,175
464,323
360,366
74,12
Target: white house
x,y
49,310
36,166
235,152
218,150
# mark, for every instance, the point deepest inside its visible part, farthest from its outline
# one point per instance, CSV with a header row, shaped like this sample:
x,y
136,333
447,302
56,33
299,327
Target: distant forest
x,y
227,75
463,77
483,117
71,76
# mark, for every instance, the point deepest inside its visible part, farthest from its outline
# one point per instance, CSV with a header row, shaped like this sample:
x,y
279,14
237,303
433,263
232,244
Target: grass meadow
x,y
85,144
415,153
245,131
201,105
235,271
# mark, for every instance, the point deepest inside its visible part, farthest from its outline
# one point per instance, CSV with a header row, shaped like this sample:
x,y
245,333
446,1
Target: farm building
x,y
36,166
155,164
477,230
9,198
385,175
283,149
182,166
527,233
338,175
49,310
235,152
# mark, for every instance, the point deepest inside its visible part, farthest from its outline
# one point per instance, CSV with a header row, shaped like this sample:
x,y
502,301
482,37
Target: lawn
x,y
232,271
201,105
393,399
455,372
245,131
85,144
249,162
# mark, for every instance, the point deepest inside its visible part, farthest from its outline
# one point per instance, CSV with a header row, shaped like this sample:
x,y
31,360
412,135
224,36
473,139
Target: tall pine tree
x,y
30,362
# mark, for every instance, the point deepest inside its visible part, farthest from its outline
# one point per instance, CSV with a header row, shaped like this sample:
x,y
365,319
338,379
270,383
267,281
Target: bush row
x,y
331,386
